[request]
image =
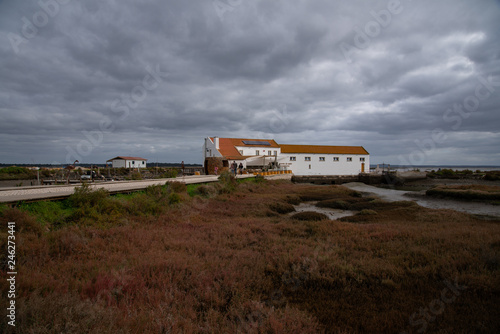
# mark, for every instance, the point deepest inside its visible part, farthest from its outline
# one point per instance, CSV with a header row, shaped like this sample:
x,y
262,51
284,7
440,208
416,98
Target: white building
x,y
252,153
128,162
326,160
300,159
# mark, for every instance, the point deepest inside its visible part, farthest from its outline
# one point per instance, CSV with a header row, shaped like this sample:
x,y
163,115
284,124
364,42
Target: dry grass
x,y
224,265
467,192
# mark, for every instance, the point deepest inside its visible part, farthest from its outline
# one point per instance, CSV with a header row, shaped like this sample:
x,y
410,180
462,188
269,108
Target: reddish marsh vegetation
x,y
227,261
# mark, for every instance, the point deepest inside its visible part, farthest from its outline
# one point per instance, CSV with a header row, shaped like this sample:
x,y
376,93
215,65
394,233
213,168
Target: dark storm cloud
x,y
100,79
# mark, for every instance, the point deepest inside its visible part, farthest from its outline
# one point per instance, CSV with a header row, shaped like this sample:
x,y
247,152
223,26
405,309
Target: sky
x,y
413,82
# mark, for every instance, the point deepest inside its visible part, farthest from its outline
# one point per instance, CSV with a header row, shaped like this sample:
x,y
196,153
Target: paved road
x,y
12,195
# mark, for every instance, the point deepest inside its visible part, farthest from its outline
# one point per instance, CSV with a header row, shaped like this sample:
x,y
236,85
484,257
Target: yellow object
x,y
196,173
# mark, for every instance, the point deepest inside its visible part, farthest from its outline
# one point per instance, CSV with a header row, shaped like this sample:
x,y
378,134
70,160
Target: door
x,y
362,167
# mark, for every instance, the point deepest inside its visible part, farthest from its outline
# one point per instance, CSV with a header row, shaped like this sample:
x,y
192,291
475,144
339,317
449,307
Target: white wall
x,y
327,167
263,150
209,150
119,163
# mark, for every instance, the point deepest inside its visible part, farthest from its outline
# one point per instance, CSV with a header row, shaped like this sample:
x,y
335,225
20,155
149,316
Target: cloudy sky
x,y
415,82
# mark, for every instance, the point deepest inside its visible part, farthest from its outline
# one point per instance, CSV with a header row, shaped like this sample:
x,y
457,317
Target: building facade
x,y
300,159
128,162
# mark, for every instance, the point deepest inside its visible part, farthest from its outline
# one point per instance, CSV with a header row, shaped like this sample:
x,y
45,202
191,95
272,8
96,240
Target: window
x,y
275,153
268,152
309,166
336,159
133,162
241,152
293,159
349,159
321,158
362,159
307,159
143,162
257,152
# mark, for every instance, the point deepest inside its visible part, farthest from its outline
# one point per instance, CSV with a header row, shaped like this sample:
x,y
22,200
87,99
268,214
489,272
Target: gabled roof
x,y
227,146
319,149
126,158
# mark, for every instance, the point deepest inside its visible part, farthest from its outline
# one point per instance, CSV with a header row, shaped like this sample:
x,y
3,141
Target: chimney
x,y
216,142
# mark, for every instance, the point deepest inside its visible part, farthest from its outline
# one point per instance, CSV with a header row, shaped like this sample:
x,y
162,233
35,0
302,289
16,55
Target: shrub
x,y
94,207
367,212
24,221
136,176
205,190
157,192
334,204
259,179
16,173
310,216
228,182
177,187
48,213
174,198
169,174
293,199
492,176
281,207
86,196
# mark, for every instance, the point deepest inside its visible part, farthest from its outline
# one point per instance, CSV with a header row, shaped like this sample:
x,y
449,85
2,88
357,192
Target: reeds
x,y
220,264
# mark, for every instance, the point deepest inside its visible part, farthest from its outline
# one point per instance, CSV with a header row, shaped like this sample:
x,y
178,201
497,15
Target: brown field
x,y
234,262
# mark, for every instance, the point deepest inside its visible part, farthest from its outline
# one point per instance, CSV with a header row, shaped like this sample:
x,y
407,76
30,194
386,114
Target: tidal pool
x,y
333,214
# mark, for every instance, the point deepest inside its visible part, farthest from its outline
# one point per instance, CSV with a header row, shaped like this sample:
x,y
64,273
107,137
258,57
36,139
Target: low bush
x,y
50,214
334,204
136,176
24,221
169,174
177,187
281,207
310,216
228,183
472,192
492,176
293,199
17,173
205,190
367,212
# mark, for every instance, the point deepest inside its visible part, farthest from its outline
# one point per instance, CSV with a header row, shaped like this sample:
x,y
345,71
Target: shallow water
x,y
392,195
331,213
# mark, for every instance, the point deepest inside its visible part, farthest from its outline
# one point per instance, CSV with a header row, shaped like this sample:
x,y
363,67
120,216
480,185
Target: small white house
x,y
128,162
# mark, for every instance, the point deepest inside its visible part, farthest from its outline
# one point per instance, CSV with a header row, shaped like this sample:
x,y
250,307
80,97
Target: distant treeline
x,y
84,165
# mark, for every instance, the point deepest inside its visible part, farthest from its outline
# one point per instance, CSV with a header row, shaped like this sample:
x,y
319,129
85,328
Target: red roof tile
x,y
227,146
126,158
319,149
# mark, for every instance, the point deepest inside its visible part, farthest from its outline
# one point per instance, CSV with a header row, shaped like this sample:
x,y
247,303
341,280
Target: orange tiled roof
x,y
319,149
227,146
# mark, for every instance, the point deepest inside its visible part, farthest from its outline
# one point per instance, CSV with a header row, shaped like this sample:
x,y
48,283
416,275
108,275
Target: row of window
x,y
336,159
257,152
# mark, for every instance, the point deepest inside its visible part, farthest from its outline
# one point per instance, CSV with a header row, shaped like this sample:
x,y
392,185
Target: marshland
x,y
238,256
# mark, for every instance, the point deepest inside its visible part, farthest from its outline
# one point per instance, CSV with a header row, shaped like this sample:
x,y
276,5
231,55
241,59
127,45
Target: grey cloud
x,y
270,69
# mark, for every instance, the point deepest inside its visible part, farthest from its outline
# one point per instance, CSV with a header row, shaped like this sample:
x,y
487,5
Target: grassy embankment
x,y
482,193
230,259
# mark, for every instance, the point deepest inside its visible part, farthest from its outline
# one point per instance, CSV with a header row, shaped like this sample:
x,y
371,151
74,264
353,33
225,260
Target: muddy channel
x,y
421,199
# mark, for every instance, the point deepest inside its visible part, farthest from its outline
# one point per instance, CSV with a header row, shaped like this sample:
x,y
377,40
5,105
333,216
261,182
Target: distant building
x,y
128,162
300,159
